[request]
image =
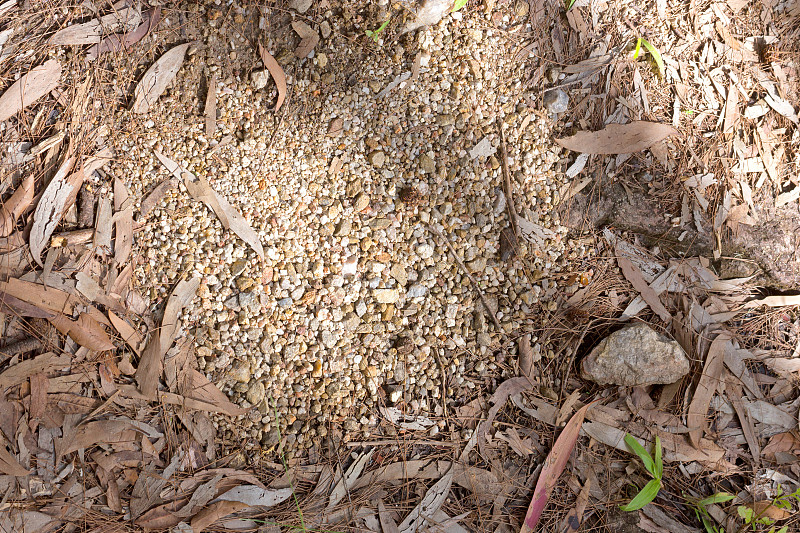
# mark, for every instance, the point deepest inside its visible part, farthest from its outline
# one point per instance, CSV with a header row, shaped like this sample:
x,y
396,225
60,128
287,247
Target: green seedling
x,y
654,466
375,34
781,501
570,3
701,511
654,53
458,5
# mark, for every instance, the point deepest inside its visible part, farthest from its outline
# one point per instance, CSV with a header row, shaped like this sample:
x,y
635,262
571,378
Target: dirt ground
x,y
275,266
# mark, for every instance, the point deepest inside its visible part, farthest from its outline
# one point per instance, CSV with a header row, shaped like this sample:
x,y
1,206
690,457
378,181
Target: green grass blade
x,y
656,56
461,3
720,497
645,496
638,48
639,450
570,3
659,463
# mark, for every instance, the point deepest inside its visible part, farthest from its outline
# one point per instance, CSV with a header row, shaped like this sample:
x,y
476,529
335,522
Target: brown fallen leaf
x,y
150,367
706,387
86,331
214,512
51,206
116,42
618,138
87,435
15,206
572,522
650,297
194,384
183,293
765,509
91,32
123,223
508,388
39,386
9,464
229,217
211,108
429,505
103,226
29,88
129,334
552,468
254,496
158,192
388,525
310,39
20,372
731,109
158,76
277,73
525,356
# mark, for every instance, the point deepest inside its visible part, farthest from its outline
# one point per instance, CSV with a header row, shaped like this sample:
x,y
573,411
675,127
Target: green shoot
x,y
570,3
702,513
655,467
654,53
461,3
374,34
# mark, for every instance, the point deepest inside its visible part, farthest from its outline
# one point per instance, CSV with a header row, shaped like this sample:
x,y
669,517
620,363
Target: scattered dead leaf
x,y
229,217
123,223
552,468
309,36
277,73
706,387
14,207
618,138
29,88
214,512
650,297
158,76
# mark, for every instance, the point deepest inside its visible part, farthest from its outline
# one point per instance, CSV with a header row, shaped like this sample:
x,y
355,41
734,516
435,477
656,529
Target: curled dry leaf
x,y
277,74
214,512
552,468
409,422
116,42
29,88
618,138
182,294
13,208
158,192
157,77
229,217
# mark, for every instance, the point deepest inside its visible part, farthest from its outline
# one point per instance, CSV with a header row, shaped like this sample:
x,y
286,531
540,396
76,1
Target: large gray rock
x,y
635,355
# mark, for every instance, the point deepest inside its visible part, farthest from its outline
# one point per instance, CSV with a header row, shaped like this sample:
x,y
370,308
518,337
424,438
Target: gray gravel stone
x,y
633,356
556,101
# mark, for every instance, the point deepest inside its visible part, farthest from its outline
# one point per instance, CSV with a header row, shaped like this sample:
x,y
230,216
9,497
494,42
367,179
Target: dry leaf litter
x,y
247,258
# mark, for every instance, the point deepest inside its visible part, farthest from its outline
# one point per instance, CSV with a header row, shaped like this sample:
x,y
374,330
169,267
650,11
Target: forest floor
x,y
281,266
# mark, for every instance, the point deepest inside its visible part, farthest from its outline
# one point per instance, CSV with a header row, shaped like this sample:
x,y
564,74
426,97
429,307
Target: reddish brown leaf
x,y
214,512
13,208
48,298
101,431
277,74
116,42
706,387
552,468
158,192
29,88
22,371
9,464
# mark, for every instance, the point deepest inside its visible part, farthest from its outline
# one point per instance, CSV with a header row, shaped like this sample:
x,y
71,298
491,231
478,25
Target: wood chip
x,y
618,138
211,109
158,76
29,88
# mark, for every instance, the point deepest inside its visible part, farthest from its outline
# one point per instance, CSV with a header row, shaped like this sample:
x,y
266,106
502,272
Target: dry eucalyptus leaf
x,y
618,138
277,74
86,331
92,32
123,223
309,37
50,208
254,496
157,77
13,208
201,189
29,88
